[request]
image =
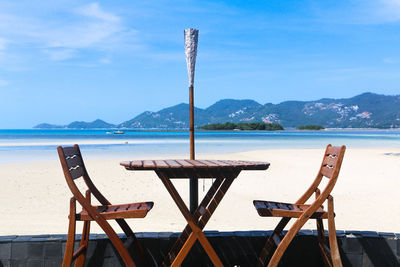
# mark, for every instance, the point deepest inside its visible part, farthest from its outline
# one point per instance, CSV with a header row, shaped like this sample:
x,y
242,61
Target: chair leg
x,y
323,243
137,247
80,261
69,248
332,235
276,257
116,241
270,244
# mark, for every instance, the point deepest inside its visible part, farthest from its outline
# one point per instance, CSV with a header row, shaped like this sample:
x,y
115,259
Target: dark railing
x,y
241,248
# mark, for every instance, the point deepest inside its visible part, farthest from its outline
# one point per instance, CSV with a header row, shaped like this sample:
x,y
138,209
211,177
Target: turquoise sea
x,y
22,145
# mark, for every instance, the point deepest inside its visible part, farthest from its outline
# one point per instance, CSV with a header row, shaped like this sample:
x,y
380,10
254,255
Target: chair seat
x,y
279,209
132,210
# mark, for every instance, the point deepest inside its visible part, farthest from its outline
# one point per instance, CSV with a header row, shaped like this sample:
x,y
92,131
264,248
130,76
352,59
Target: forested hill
x,y
367,110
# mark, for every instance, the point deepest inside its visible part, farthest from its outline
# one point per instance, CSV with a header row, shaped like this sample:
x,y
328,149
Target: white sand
x,y
34,196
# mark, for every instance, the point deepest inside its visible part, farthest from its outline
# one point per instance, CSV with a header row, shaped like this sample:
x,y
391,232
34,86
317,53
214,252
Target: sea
x,y
39,144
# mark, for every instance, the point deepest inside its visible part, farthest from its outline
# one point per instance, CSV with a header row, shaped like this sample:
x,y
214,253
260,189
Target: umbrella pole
x,y
191,40
194,192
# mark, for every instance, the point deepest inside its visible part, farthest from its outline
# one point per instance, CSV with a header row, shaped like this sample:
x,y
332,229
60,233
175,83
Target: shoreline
x,y
200,130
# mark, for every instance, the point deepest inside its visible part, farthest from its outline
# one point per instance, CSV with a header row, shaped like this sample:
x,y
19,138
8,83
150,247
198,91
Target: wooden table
x,y
223,171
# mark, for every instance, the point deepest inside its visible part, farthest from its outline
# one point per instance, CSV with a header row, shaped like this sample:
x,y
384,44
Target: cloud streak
x,y
94,26
390,10
83,27
3,82
93,10
361,12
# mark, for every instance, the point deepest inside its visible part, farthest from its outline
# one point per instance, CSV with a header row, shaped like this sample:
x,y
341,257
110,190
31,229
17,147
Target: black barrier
x,y
357,248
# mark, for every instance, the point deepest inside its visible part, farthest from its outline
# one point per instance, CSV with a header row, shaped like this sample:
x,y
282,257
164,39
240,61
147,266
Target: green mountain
x,y
172,117
97,124
367,110
48,126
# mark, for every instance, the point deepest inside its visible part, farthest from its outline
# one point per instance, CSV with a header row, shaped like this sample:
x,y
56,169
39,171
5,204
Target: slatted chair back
x,y
330,168
74,168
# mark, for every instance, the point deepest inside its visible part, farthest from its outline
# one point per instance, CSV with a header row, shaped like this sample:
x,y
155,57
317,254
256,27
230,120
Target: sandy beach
x,y
35,197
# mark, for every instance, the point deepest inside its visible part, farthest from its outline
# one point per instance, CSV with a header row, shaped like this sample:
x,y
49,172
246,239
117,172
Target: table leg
x,y
189,244
185,234
183,251
200,218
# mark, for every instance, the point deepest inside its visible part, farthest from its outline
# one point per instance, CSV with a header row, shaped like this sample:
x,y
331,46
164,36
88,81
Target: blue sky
x,y
62,61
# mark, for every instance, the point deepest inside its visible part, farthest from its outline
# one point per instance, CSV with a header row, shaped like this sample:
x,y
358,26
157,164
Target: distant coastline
x,y
289,129
366,110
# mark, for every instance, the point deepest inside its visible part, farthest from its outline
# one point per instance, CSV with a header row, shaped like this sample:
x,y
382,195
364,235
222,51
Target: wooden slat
x,y
272,205
248,165
278,209
161,164
327,172
188,164
237,164
136,163
281,206
260,204
256,165
229,163
245,163
173,164
133,210
219,163
215,202
197,163
102,208
184,163
330,161
333,150
136,206
126,164
208,163
122,207
148,164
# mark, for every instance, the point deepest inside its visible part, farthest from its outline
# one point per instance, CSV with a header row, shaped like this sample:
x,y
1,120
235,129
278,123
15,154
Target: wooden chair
x,y
74,168
277,245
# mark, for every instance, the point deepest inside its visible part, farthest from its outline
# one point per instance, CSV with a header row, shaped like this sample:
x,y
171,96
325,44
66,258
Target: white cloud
x,y
105,60
358,11
93,10
94,30
60,54
94,26
64,36
390,60
389,10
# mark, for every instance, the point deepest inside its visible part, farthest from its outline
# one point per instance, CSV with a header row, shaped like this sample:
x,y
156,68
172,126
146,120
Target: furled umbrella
x,y
191,40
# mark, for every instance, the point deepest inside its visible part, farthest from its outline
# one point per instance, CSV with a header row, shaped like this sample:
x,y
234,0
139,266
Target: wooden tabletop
x,y
193,164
